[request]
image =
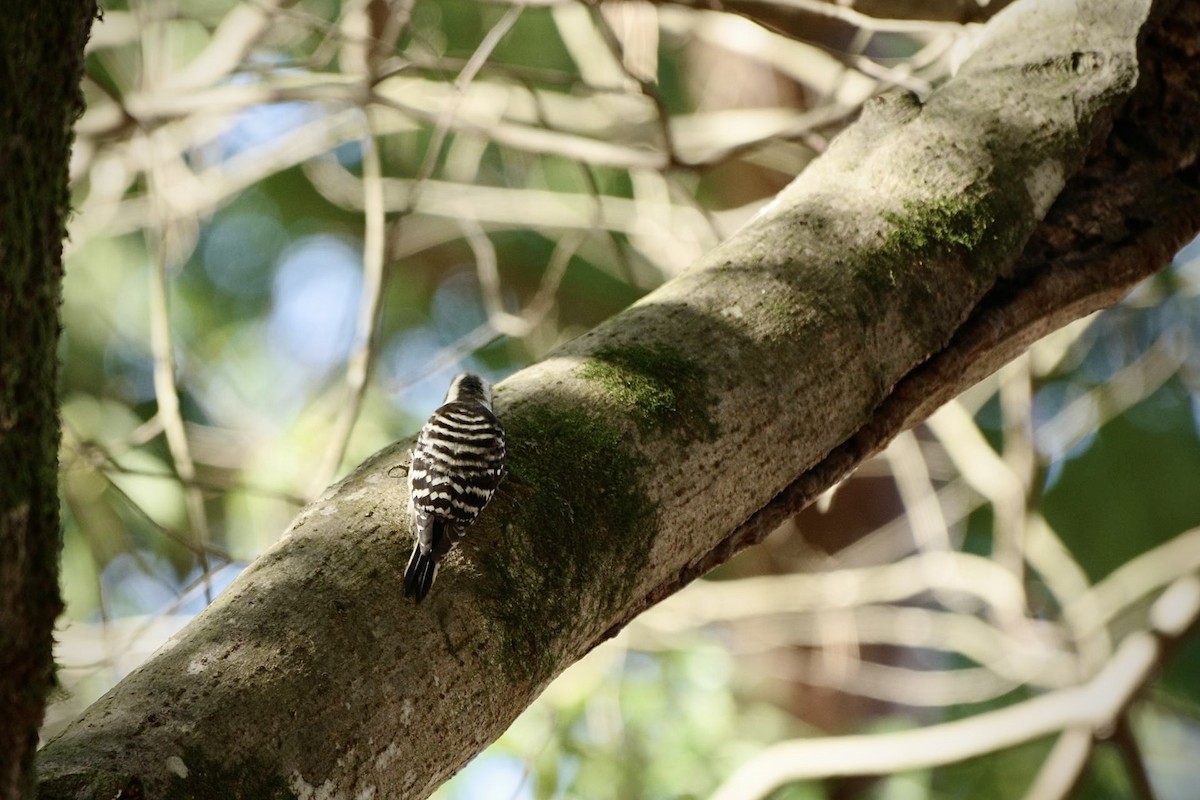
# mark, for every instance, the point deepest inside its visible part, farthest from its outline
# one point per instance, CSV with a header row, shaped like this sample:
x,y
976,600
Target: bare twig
x,y
981,467
358,369
1094,706
1016,409
1065,579
1063,767
165,391
233,39
1125,740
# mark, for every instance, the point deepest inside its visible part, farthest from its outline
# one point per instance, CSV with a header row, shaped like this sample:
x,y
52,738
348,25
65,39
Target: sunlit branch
x,y
491,206
110,212
1016,413
180,538
1136,579
543,300
450,110
1064,765
814,10
1095,706
99,457
238,33
1127,387
1065,579
1029,658
365,335
804,593
918,494
919,688
165,391
487,270
647,84
984,470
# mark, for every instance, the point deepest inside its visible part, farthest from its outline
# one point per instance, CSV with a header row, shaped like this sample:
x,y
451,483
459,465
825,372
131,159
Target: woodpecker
x,y
456,466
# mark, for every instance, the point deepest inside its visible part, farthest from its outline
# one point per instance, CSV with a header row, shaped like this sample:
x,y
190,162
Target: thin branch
x,y
1127,387
1095,705
982,468
646,84
1136,579
1061,770
366,340
1125,740
711,602
240,30
918,495
1065,579
917,688
165,391
478,337
1016,412
449,112
99,457
1028,658
805,10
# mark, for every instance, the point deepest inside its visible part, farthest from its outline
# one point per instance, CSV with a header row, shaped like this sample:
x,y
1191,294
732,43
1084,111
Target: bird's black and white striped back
x,y
456,466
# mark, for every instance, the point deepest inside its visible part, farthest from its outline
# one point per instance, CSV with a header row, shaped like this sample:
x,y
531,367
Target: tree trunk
x,y
931,243
41,58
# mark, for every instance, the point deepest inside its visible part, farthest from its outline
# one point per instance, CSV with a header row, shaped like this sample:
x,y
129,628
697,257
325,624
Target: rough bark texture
x,y
41,58
898,269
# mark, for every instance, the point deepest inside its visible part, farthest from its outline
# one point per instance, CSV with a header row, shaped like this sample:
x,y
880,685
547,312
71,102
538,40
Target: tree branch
x,y
1119,219
1095,706
908,261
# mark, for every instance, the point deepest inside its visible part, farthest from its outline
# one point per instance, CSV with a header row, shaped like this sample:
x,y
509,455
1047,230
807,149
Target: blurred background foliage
x,y
296,219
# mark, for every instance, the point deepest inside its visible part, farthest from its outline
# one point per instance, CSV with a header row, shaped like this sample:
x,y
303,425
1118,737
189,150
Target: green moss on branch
x,y
575,530
659,388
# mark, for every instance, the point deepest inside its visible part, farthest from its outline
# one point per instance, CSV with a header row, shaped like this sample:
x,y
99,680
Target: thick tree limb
x,y
906,263
1122,217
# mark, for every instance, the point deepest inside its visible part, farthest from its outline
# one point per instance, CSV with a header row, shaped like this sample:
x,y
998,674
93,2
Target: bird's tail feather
x,y
422,569
435,538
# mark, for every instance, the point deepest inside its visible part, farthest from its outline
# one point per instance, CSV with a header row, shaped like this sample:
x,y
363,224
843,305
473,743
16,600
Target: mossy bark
x,y
897,269
41,57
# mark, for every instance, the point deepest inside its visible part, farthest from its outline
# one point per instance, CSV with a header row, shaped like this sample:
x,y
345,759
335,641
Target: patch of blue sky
x,y
418,364
259,125
416,369
247,386
138,585
129,369
195,598
1189,256
316,293
235,247
145,583
349,154
457,307
492,774
1065,424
